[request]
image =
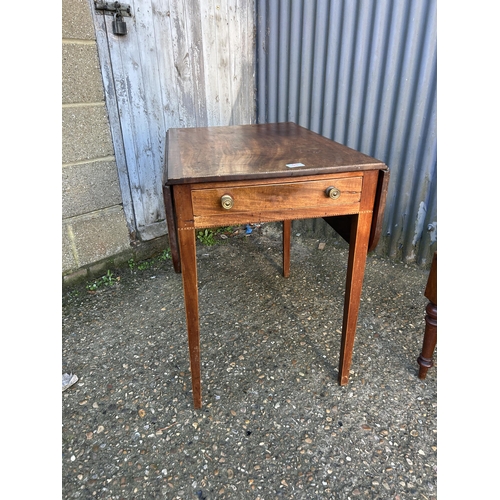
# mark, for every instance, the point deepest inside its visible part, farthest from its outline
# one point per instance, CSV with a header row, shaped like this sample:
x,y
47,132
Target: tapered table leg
x,y
287,231
358,247
187,244
187,248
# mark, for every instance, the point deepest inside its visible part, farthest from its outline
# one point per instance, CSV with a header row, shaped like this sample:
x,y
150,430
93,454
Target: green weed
x,y
106,280
208,236
146,264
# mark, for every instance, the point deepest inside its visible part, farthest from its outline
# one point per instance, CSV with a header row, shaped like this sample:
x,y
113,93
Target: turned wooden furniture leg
x,y
358,248
430,334
287,231
171,226
430,340
187,247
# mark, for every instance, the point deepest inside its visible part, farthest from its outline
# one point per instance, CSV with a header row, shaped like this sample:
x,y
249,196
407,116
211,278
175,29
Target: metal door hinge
x,y
113,8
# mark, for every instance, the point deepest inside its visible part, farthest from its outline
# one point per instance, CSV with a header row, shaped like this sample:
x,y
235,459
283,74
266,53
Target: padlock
x,y
119,25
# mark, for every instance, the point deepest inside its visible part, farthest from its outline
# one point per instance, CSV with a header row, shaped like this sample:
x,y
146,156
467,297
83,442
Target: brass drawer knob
x,y
227,202
332,192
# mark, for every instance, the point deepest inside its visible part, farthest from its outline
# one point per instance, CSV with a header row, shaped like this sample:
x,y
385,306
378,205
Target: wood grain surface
x,y
248,163
256,151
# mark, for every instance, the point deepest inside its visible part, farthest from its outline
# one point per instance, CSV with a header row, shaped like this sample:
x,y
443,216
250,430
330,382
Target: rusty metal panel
x,y
363,73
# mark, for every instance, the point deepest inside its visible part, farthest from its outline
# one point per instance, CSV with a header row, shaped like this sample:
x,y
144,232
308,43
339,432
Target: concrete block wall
x,y
94,226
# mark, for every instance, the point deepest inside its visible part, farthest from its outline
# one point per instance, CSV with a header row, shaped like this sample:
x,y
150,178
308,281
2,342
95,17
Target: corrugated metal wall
x,y
363,73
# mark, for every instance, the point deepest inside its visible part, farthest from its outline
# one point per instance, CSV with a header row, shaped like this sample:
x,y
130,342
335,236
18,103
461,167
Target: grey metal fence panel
x,y
363,73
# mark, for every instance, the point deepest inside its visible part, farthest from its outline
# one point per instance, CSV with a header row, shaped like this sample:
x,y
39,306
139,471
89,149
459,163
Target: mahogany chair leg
x,y
430,340
430,334
287,231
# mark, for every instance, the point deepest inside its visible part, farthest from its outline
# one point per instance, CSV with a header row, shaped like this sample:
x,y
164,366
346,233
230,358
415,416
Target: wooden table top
x,y
207,154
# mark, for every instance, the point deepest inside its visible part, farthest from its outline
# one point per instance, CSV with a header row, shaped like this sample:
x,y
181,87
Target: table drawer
x,y
272,197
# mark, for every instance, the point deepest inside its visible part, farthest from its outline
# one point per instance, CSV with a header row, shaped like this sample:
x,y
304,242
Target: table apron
x,y
267,202
271,216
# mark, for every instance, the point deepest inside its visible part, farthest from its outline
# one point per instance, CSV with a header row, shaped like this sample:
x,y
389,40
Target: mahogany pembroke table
x,y
222,176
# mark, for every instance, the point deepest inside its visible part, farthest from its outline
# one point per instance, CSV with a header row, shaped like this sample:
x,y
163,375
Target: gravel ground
x,y
274,422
